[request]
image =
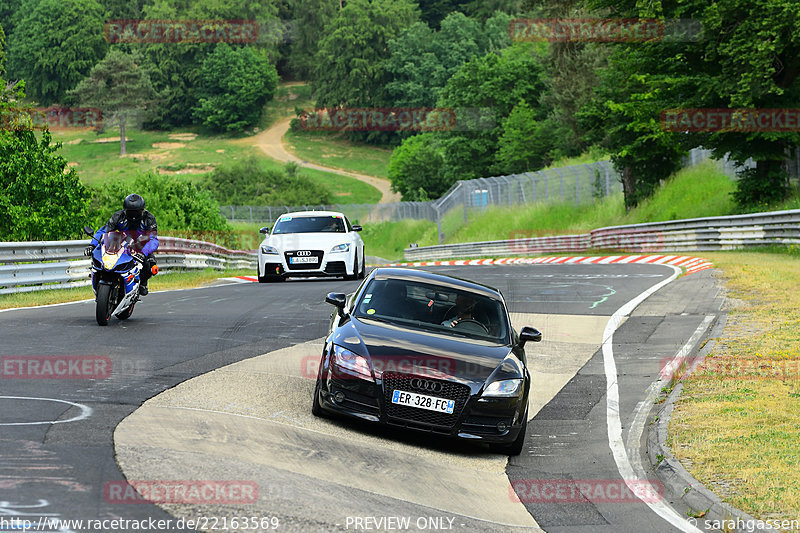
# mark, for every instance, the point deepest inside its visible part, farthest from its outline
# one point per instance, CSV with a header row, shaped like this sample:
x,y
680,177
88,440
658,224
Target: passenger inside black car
x,y
390,299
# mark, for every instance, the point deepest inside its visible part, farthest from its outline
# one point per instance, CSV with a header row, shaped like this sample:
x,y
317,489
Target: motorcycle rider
x,y
141,225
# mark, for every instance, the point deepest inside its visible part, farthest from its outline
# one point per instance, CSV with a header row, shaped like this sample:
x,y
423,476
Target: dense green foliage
x,y
177,204
247,182
234,86
416,169
422,60
544,101
747,57
40,197
54,47
350,66
176,68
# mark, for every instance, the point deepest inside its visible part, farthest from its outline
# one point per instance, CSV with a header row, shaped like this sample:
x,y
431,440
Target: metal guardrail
x,y
33,266
698,234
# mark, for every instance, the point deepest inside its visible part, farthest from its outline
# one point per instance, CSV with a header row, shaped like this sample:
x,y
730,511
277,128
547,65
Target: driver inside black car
x,y
461,315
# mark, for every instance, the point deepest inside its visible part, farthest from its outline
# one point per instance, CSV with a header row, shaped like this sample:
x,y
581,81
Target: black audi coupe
x,y
429,352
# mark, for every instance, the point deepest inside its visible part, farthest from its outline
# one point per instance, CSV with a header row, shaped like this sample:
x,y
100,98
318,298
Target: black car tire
x,y
363,272
515,448
316,408
355,270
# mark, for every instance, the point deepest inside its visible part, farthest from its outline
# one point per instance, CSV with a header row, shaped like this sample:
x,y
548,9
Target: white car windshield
x,y
306,224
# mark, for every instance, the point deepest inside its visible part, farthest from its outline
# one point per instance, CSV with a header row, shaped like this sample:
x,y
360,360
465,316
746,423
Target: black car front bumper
x,y
490,420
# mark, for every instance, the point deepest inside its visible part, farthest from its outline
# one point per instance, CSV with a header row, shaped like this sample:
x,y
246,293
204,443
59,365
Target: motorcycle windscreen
x,y
113,241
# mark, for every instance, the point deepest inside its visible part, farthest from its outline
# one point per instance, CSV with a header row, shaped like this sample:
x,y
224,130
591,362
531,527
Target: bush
x,y
247,182
177,204
40,197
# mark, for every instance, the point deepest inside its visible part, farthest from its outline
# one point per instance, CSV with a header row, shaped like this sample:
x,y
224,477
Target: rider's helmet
x,y
133,207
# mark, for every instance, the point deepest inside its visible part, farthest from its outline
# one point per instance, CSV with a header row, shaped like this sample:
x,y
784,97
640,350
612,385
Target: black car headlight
x,y
351,363
506,388
269,250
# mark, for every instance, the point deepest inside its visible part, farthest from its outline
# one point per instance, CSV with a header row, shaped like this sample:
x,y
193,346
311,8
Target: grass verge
x,y
162,282
335,151
735,426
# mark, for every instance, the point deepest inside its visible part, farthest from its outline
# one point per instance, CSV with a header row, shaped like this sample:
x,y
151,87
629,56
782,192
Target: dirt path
x,y
271,143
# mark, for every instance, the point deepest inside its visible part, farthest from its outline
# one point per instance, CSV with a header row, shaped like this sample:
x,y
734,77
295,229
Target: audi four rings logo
x,y
424,384
304,252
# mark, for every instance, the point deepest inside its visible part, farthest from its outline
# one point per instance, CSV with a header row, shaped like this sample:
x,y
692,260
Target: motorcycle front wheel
x,y
104,304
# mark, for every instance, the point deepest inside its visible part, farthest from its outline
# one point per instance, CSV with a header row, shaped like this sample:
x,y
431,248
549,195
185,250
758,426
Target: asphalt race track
x,y
214,384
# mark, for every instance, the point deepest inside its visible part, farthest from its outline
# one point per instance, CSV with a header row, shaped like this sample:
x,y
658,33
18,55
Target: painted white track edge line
x,y
613,421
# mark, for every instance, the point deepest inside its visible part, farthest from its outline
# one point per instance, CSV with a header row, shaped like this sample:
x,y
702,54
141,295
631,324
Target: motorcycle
x,y
115,276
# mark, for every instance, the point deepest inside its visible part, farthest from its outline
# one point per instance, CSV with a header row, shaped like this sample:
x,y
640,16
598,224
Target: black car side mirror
x,y
529,334
356,227
264,230
338,300
88,231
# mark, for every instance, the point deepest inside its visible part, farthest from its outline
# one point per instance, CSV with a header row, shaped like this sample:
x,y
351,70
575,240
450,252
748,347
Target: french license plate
x,y
431,403
296,260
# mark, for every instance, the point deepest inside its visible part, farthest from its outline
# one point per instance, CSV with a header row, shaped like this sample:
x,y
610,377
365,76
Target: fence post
x,y
439,225
561,180
608,180
546,186
577,191
251,213
465,200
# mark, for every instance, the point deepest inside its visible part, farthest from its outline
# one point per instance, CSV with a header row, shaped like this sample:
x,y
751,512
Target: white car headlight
x,y
269,250
504,389
341,248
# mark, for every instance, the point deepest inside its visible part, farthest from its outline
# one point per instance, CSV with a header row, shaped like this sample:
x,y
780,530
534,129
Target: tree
x,y
493,84
55,46
307,19
234,86
623,119
525,143
119,87
416,168
8,12
2,52
422,60
748,56
350,65
175,67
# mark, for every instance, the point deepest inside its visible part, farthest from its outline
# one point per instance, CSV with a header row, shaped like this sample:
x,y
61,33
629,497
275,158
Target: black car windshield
x,y
431,307
306,224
